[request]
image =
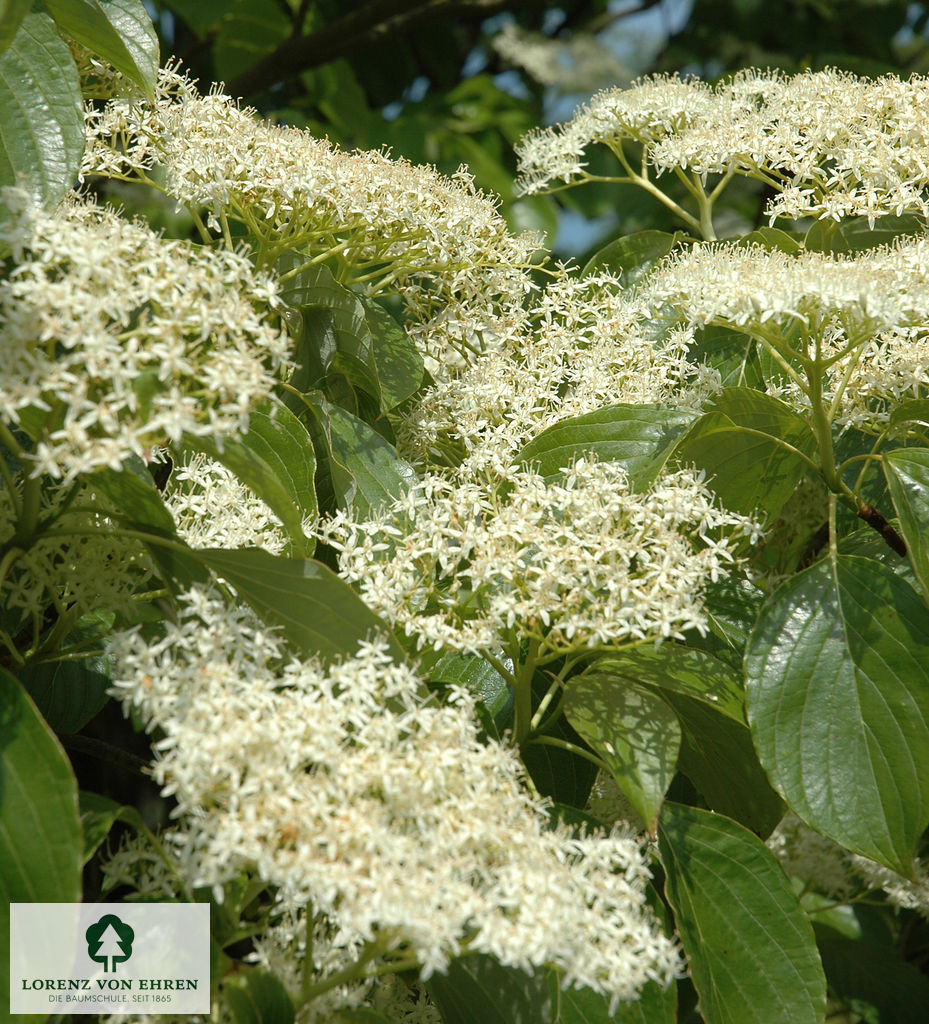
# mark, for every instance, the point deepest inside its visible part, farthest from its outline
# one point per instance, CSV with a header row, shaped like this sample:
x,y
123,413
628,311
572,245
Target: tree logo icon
x,y
109,942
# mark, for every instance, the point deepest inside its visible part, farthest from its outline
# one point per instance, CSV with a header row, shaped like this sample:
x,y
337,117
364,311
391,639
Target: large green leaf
x,y
744,442
257,997
751,949
837,693
317,611
399,365
732,354
335,485
684,670
907,472
68,693
638,436
274,459
634,732
380,474
718,757
40,831
119,31
633,256
478,988
41,112
12,13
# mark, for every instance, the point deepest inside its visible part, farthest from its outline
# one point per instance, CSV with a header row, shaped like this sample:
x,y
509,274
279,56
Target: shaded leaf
x,y
634,732
12,13
633,256
40,832
397,360
98,815
477,988
318,612
257,997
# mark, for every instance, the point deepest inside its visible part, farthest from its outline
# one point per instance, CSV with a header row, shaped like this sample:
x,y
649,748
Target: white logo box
x,y
109,958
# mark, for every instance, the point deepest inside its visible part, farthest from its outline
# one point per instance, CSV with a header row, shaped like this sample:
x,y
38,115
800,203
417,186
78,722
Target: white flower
x,y
352,793
121,338
580,562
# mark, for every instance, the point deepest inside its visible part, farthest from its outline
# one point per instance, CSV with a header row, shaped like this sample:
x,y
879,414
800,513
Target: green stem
x,y
354,972
554,741
522,694
554,689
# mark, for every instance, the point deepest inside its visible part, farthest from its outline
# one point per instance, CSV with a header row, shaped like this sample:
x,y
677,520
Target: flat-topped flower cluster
x,y
829,143
350,790
114,338
385,223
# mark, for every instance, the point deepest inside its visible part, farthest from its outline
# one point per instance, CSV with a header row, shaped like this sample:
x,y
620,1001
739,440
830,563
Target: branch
x,y
374,23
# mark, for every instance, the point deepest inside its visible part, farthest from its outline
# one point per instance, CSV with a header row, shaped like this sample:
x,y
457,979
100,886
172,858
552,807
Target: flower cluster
x,y
385,223
864,317
350,791
113,338
829,143
833,871
583,561
84,566
585,344
212,508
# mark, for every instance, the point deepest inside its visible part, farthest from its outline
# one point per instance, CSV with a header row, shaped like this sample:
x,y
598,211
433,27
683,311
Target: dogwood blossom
x,y
830,144
115,338
583,561
352,793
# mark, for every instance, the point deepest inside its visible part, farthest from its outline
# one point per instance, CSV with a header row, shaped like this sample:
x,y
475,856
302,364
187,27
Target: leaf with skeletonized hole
x,y
837,693
750,946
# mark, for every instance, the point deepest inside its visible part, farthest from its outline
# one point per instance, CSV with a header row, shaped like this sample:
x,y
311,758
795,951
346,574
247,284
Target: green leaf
x,y
482,679
718,757
40,832
773,238
751,949
41,112
397,360
119,31
638,436
98,815
907,473
655,1005
875,975
913,410
132,491
825,236
250,30
317,611
68,693
477,988
740,443
380,474
837,692
335,485
633,256
12,13
274,459
732,354
257,997
335,337
562,775
684,670
634,732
